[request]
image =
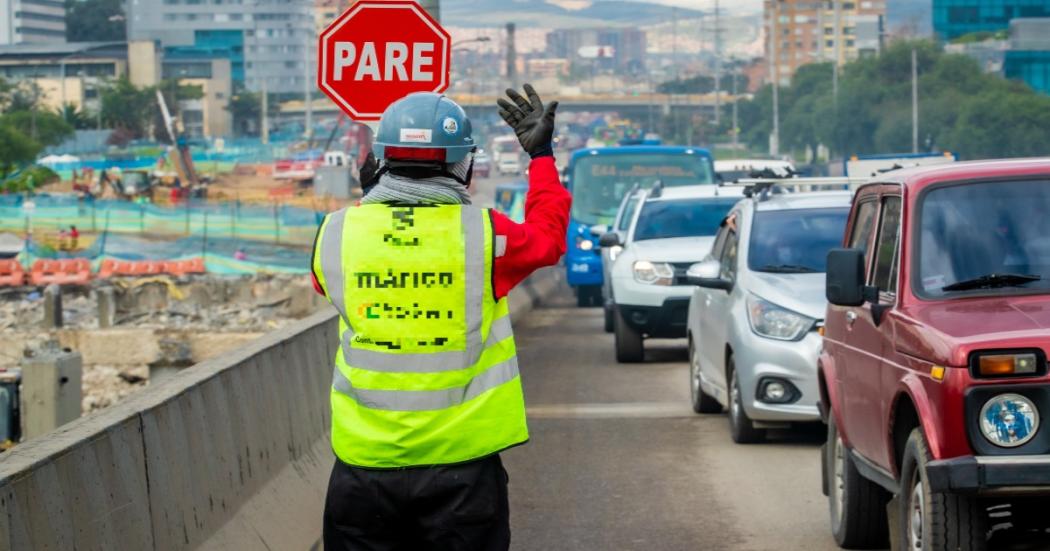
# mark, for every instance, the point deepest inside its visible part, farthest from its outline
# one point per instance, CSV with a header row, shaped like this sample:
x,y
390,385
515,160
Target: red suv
x,y
933,376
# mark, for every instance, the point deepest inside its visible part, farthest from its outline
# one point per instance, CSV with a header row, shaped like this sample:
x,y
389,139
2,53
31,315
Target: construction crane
x,y
180,157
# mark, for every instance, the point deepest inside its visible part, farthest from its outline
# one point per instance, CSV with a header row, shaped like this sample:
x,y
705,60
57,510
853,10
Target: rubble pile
x,y
105,385
155,322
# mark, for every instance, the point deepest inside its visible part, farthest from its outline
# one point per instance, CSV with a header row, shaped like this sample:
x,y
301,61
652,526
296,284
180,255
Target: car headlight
x,y
584,244
653,273
772,321
614,252
1009,420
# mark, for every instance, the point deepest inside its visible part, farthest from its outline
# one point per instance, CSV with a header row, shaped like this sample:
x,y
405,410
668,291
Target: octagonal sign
x,y
377,52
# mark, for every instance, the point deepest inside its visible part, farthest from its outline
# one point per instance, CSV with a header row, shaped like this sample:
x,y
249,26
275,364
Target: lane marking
x,y
610,410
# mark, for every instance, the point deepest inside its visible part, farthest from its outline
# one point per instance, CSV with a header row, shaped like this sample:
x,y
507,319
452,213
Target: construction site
x,y
118,271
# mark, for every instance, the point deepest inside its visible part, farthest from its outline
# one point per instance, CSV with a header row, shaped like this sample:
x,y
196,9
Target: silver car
x,y
755,313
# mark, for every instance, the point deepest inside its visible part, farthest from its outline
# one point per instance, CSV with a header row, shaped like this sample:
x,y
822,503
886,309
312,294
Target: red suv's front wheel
x,y
931,520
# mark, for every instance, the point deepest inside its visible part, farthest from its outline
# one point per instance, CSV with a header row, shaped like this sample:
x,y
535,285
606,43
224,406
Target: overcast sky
x,y
740,6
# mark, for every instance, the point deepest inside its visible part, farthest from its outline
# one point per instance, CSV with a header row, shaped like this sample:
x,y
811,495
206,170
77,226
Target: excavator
x,y
133,184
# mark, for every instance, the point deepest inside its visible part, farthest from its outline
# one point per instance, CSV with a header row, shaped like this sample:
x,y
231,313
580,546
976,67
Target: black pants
x,y
457,507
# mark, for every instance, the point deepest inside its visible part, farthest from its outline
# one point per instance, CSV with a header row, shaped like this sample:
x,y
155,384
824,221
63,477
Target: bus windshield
x,y
599,182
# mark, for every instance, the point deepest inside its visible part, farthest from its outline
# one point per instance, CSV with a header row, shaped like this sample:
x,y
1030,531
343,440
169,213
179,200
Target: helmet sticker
x,y
416,135
450,126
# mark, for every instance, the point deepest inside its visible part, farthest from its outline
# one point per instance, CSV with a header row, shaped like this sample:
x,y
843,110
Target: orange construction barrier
x,y
122,268
75,271
185,267
107,268
11,273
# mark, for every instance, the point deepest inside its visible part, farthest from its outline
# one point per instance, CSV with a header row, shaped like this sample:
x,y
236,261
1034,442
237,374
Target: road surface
x,y
618,461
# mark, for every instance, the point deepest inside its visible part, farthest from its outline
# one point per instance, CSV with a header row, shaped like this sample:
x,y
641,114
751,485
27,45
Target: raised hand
x,y
532,122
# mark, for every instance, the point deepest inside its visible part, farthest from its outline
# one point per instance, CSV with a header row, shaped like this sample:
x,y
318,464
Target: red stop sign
x,y
377,52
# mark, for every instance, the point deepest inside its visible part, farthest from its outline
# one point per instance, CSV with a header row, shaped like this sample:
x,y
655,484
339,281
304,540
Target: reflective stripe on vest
x,y
420,363
425,400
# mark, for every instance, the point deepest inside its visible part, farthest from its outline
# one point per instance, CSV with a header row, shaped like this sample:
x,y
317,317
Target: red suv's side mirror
x,y
845,277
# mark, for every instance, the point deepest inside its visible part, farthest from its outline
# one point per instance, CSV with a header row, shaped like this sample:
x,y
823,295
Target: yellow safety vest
x,y
426,372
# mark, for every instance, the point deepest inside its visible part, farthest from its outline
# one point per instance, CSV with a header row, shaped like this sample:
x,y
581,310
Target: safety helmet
x,y
424,127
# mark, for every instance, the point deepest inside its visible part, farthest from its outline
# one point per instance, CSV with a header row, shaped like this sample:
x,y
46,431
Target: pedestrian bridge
x,y
232,453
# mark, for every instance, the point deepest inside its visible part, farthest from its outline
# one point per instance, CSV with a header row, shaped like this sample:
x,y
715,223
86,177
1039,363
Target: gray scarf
x,y
439,190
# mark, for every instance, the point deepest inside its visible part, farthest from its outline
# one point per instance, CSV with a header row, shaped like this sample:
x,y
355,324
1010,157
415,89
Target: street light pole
x,y
718,65
838,52
62,85
914,102
736,126
308,124
774,71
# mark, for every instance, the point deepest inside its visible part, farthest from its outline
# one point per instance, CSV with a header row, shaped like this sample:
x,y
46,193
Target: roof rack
x,y
657,189
764,187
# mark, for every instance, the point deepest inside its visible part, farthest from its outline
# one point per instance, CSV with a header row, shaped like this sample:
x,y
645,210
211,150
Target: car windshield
x,y
796,240
663,219
984,237
599,182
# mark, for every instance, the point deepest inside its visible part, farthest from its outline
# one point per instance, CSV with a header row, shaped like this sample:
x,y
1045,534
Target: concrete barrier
x,y
231,453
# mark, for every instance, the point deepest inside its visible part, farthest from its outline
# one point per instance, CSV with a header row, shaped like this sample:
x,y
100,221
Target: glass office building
x,y
955,18
1028,58
1033,67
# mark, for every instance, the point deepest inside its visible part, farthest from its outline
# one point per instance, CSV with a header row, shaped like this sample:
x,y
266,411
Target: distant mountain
x,y
487,13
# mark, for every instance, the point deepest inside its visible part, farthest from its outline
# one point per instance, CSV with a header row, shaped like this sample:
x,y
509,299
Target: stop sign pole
x,y
378,52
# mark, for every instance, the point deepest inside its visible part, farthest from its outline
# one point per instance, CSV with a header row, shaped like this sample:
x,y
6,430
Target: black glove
x,y
532,123
368,173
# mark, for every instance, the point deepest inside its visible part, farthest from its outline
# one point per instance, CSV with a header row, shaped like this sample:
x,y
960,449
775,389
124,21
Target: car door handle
x,y
851,317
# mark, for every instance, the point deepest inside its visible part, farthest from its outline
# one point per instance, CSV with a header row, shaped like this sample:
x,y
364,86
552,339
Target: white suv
x,y
671,229
622,223
754,316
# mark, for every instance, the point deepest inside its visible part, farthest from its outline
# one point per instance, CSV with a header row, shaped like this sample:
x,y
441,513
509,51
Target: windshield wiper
x,y
992,281
787,269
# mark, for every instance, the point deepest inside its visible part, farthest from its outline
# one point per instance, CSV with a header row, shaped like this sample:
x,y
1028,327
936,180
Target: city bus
x,y
598,178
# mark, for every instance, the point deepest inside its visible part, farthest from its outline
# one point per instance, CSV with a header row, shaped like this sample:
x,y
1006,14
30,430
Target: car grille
x,y
680,268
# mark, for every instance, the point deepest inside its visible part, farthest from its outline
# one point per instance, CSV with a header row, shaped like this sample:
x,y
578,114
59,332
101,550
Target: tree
x,y
962,109
246,107
128,108
23,96
95,20
75,117
16,150
43,127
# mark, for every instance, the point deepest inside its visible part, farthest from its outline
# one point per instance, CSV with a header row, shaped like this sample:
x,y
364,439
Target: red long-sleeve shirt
x,y
538,241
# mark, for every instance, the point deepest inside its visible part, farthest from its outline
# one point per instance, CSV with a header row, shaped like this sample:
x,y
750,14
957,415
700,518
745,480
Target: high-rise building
x,y
1028,58
29,21
799,32
326,11
270,43
612,48
955,18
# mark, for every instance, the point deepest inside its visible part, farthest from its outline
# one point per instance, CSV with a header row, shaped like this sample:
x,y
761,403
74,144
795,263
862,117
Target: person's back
x,y
426,390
